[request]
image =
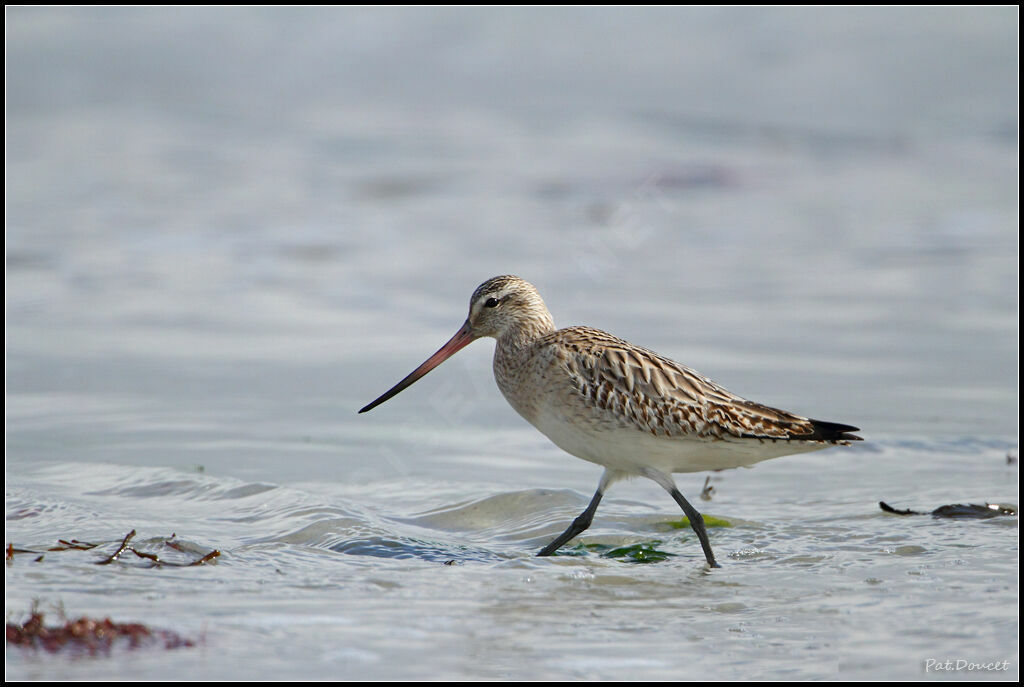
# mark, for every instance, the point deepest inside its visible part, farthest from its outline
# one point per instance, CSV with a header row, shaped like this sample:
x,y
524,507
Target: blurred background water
x,y
228,229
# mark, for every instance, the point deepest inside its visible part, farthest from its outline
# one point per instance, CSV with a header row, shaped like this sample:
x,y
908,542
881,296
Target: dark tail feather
x,y
832,431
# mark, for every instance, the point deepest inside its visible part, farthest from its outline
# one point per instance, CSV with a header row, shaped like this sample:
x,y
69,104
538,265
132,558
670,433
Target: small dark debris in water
x,y
450,562
708,490
959,510
88,635
1011,459
154,559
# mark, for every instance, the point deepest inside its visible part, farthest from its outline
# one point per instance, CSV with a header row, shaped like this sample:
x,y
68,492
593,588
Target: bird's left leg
x,y
583,520
696,520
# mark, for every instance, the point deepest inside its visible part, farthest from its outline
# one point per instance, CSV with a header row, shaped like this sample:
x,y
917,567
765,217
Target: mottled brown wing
x,y
654,394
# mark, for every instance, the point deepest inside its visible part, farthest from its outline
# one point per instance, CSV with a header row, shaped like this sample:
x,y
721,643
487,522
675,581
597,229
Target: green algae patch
x,y
639,553
645,552
709,521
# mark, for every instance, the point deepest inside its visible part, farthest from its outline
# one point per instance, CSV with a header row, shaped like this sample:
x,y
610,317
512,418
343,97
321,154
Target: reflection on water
x,y
228,230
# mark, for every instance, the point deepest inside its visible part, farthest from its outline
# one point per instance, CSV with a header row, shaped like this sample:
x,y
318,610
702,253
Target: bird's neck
x,y
519,338
513,357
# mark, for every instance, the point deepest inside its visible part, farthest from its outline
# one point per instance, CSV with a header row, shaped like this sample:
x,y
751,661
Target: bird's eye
x,y
491,303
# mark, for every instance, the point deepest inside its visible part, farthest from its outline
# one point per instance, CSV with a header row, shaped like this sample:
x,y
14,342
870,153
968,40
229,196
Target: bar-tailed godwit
x,y
609,402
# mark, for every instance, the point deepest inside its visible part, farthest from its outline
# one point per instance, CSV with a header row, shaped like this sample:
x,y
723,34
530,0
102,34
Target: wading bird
x,y
626,408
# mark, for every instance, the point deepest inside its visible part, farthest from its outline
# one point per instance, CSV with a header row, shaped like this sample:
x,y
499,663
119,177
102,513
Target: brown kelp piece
x,y
123,547
120,550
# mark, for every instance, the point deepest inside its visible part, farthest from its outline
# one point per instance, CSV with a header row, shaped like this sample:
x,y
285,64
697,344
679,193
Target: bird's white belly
x,y
629,449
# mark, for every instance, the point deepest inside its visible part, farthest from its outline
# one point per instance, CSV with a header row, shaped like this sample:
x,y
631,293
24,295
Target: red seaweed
x,y
89,635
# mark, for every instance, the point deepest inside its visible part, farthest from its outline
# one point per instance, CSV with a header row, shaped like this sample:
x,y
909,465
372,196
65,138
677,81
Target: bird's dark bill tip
x,y
462,338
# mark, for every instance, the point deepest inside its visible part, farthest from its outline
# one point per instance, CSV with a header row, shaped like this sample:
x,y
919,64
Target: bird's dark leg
x,y
582,522
697,523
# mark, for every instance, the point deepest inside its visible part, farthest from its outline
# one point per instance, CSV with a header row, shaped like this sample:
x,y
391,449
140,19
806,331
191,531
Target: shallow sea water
x,y
227,231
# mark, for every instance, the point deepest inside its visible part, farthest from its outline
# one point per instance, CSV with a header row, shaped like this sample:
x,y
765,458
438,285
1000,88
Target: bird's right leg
x,y
696,520
584,519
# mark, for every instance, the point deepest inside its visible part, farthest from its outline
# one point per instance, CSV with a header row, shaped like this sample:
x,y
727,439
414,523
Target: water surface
x,y
229,230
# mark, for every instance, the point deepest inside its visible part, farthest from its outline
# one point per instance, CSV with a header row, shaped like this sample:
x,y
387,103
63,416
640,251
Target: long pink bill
x,y
462,338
